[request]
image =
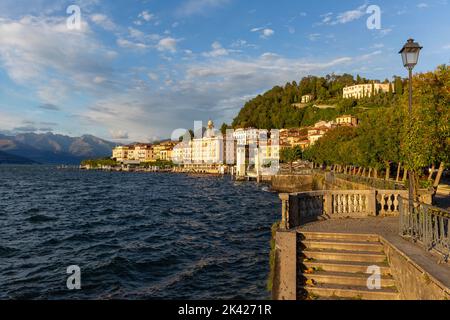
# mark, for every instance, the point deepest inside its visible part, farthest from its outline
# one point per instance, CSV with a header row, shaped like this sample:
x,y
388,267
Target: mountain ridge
x,y
50,148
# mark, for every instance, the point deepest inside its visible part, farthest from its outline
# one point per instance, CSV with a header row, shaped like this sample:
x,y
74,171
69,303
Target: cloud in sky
x,y
167,44
265,33
147,16
217,50
138,81
103,21
42,52
344,17
119,134
194,7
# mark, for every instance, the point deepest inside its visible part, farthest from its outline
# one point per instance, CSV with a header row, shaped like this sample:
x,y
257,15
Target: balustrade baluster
x,y
396,203
344,203
389,204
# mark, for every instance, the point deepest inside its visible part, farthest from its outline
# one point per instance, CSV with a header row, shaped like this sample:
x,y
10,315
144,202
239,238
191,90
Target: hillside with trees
x,y
278,107
386,139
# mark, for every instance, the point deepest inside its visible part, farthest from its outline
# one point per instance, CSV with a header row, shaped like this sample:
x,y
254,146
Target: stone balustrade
x,y
304,207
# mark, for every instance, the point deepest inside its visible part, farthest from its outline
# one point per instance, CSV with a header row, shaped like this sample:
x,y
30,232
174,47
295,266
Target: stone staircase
x,y
335,266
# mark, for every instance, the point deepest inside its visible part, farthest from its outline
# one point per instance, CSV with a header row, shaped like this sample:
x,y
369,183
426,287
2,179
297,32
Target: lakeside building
x,y
182,152
366,90
257,151
213,152
307,98
293,137
120,153
319,130
209,148
314,134
322,127
245,150
139,152
164,151
142,152
347,120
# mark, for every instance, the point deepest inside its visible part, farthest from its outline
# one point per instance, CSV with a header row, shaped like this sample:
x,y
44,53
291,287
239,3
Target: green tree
x,y
290,155
426,138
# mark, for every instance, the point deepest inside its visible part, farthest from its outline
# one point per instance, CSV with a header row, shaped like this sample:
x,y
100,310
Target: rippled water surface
x,y
135,236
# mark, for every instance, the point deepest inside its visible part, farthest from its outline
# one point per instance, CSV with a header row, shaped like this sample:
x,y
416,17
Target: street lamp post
x,y
410,56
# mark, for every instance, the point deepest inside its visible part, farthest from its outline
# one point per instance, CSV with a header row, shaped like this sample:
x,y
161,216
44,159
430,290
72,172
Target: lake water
x,y
134,235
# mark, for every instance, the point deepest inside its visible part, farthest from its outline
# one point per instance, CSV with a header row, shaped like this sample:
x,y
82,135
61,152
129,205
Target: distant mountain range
x,y
51,148
6,158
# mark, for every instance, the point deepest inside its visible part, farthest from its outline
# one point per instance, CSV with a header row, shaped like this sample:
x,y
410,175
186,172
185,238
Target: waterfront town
x,y
243,152
219,153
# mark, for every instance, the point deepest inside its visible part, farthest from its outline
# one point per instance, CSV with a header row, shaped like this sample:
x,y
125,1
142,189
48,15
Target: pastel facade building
x,y
164,151
142,153
316,133
307,98
366,90
291,138
209,148
347,120
120,153
138,152
257,149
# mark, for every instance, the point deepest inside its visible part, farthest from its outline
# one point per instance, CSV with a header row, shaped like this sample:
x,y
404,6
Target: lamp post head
x,y
410,53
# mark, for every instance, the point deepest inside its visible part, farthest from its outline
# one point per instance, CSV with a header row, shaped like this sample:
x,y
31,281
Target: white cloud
x,y
193,7
103,21
314,36
218,50
167,44
124,43
344,17
385,32
265,33
147,16
119,134
44,54
153,76
239,44
99,79
422,5
217,88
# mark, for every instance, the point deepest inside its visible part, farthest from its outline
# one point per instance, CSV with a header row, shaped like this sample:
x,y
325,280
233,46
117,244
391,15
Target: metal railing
x,y
426,225
370,182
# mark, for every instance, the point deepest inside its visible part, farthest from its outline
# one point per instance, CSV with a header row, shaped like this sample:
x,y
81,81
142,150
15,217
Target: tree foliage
x,y
386,135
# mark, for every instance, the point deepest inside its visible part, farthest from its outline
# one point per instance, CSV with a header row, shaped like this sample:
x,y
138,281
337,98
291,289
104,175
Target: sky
x,y
136,70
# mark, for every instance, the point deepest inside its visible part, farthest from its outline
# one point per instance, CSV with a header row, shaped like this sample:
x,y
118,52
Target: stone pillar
x,y
372,203
328,203
285,273
284,211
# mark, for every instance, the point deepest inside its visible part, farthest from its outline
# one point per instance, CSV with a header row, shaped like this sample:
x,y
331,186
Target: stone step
x,y
340,236
343,245
345,266
349,279
336,255
351,292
